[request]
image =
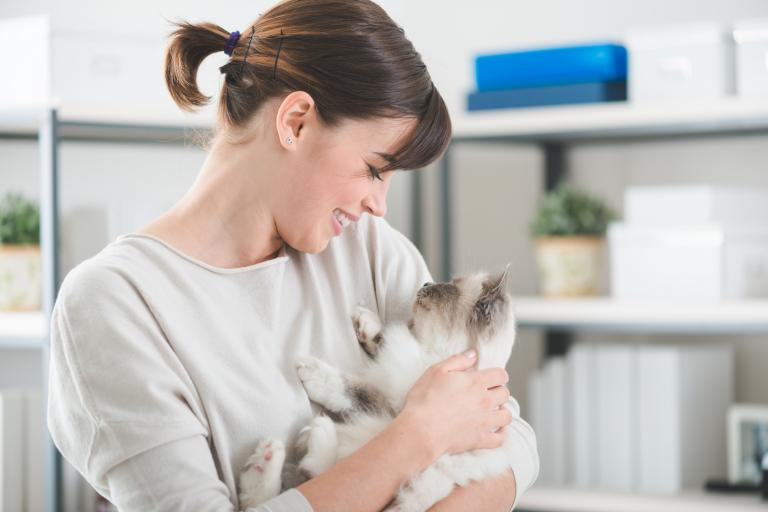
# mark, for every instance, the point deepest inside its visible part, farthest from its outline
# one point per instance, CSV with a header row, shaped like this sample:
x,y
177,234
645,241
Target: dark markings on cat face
x,y
439,296
489,313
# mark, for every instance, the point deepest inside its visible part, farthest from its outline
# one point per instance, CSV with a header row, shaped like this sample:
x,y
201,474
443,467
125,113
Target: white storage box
x,y
91,75
751,38
687,62
695,204
692,263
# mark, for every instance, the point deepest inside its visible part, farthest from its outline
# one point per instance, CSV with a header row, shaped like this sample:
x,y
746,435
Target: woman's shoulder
x,y
378,235
109,271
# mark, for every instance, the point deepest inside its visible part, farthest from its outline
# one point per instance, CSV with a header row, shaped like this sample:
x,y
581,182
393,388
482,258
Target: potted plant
x,y
20,276
570,227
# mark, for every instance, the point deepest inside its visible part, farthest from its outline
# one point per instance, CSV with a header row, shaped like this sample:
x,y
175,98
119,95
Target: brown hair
x,y
349,55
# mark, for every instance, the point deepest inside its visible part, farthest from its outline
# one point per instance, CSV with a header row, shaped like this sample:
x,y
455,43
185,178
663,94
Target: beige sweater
x,y
165,370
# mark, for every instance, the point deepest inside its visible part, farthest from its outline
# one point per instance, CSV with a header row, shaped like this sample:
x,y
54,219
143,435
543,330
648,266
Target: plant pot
x,y
20,278
569,266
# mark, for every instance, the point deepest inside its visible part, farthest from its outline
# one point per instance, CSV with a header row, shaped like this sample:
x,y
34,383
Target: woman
x,y
173,349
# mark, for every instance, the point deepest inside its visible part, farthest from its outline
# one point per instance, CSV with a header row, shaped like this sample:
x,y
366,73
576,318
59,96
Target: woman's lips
x,y
336,225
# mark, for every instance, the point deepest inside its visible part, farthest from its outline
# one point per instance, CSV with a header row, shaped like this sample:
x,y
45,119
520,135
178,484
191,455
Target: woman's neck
x,y
224,219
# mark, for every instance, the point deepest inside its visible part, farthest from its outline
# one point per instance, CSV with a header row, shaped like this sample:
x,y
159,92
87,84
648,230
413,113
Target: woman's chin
x,y
313,246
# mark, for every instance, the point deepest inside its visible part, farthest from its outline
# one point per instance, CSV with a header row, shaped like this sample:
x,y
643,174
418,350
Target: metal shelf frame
x,y
45,126
732,118
596,123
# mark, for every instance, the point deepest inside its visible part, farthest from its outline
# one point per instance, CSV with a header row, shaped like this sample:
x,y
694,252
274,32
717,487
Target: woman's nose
x,y
376,203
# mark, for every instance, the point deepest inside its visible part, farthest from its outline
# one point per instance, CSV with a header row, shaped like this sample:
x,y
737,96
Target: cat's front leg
x,y
261,478
367,326
324,384
321,443
341,395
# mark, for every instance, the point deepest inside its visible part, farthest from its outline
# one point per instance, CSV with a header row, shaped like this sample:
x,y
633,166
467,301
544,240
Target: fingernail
x,y
471,353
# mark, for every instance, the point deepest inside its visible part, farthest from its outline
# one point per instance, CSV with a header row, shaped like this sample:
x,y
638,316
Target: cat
x,y
473,311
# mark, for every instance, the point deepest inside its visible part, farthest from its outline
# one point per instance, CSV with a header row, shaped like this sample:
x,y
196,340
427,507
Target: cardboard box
x,y
94,75
695,204
692,263
685,62
751,38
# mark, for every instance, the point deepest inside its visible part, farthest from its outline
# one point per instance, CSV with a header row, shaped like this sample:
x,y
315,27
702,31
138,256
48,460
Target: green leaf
x,y
19,220
565,212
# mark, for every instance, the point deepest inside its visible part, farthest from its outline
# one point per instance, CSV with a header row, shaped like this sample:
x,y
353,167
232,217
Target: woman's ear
x,y
293,115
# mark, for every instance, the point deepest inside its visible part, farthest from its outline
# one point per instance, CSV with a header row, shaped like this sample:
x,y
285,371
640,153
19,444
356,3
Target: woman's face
x,y
329,175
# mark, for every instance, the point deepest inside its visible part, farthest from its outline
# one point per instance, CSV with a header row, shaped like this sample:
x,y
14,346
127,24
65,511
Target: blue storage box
x,y
592,92
551,66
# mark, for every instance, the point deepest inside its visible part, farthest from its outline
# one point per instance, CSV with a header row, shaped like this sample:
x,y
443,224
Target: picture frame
x,y
747,442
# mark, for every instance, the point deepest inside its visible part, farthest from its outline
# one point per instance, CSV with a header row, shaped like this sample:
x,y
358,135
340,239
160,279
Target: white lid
x,y
755,29
677,35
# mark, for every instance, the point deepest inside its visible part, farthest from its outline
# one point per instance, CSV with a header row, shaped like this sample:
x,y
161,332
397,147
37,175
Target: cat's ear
x,y
491,298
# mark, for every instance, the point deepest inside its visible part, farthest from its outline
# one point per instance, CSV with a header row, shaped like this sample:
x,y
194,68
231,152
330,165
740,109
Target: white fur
x,y
404,356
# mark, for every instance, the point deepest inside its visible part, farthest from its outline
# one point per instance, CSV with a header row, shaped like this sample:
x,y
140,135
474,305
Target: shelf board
x,y
22,330
80,123
605,313
566,499
614,120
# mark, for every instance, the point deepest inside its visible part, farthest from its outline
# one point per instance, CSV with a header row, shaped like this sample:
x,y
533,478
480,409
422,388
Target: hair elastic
x,y
231,42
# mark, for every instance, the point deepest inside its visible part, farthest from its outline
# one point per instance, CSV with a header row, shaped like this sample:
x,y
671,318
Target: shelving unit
x,y
551,128
554,129
42,123
22,330
607,314
547,499
619,120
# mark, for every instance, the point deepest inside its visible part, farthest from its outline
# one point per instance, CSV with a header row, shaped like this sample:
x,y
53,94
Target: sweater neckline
x,y
281,257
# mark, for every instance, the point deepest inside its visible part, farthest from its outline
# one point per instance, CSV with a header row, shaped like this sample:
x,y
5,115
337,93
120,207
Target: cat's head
x,y
472,311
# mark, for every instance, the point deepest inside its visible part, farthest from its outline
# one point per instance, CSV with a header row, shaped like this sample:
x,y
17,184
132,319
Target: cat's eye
x,y
425,285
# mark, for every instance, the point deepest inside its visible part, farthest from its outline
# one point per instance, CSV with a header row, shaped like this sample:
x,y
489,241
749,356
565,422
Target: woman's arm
x,y
368,479
448,410
495,494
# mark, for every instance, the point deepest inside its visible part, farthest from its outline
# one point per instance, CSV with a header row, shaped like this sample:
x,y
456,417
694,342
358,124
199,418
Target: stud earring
x,y
289,140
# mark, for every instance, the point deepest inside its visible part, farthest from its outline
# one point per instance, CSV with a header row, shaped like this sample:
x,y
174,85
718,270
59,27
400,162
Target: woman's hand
x,y
459,409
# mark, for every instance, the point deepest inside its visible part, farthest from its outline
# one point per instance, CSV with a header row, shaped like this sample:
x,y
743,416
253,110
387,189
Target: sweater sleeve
x,y
121,407
525,457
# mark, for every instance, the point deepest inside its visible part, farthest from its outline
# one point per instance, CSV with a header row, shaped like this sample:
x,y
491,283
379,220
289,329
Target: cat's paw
x,y
323,383
260,478
367,326
321,444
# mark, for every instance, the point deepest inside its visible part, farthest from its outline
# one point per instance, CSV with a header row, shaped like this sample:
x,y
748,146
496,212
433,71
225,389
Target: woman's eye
x,y
374,172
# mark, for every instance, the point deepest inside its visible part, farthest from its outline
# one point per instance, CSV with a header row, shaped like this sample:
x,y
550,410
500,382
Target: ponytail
x,y
189,45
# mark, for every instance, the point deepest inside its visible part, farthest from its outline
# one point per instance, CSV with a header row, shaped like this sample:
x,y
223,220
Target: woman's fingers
x,y
492,377
459,362
499,418
499,396
494,439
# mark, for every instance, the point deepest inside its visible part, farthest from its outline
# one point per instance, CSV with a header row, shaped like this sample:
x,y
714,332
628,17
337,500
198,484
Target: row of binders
x,y
637,418
22,441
